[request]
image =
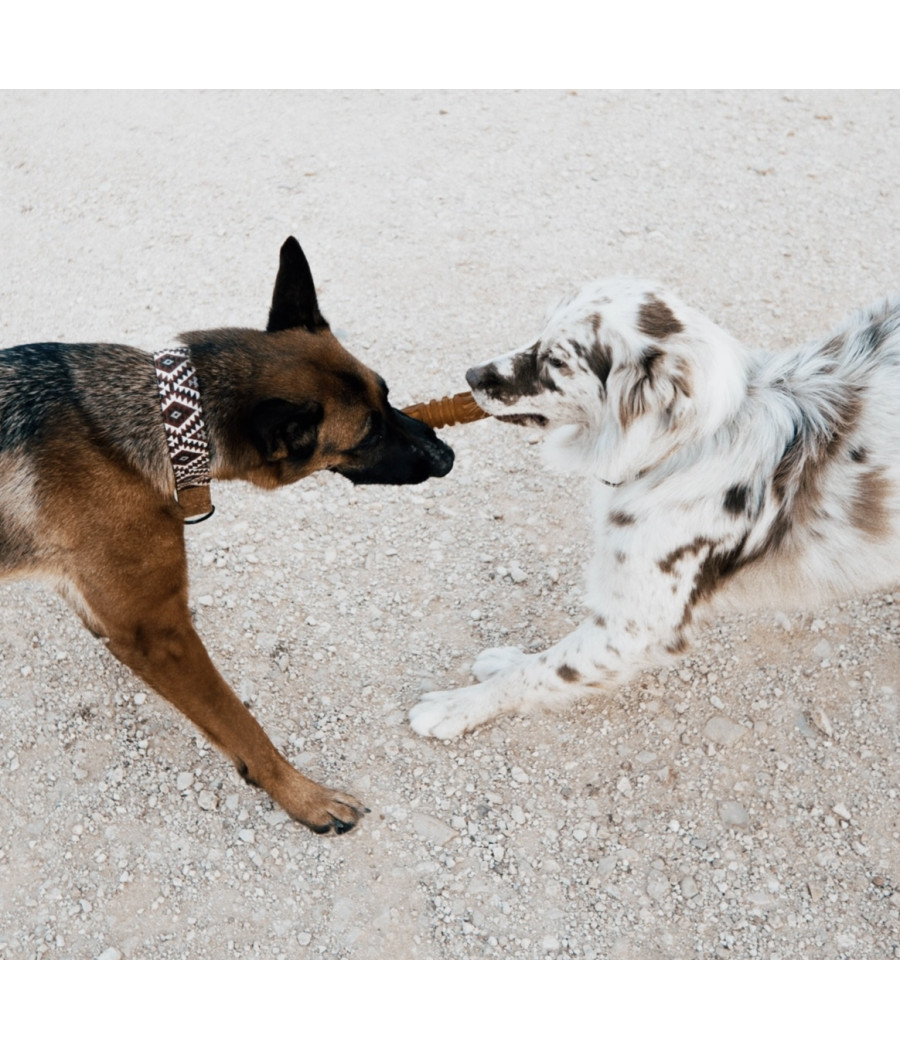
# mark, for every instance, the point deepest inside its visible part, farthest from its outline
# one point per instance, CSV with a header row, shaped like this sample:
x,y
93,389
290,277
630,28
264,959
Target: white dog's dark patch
x,y
656,320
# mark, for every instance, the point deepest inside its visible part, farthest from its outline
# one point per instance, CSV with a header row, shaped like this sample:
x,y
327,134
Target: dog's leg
x,y
638,627
496,661
585,661
137,598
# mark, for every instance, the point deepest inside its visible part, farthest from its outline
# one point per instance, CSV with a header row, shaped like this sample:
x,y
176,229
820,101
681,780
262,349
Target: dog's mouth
x,y
524,419
488,403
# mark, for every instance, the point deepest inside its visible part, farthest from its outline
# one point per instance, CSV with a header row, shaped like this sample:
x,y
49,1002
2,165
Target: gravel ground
x,y
742,805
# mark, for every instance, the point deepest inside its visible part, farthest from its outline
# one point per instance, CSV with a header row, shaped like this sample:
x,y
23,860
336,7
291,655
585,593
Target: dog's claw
x,y
329,812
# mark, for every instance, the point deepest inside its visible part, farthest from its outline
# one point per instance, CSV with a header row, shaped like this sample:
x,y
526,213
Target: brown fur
x,y
656,320
869,511
86,491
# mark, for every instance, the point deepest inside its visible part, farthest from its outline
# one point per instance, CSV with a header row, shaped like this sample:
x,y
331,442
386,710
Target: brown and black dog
x,y
86,491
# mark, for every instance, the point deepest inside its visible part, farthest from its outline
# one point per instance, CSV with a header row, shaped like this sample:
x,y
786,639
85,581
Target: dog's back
x,y
822,425
59,398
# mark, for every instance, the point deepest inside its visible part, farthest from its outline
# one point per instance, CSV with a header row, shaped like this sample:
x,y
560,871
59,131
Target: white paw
x,y
496,661
449,713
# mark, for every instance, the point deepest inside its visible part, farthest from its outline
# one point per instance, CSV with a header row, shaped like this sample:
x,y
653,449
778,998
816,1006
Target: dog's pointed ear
x,y
294,303
285,429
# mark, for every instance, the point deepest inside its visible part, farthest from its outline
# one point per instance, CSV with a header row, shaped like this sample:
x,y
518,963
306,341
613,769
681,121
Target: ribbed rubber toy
x,y
447,411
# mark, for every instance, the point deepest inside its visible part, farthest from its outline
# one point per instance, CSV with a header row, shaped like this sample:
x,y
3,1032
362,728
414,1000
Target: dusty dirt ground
x,y
741,805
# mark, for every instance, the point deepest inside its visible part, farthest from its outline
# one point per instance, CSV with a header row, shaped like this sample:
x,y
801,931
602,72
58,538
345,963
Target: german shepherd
x,y
87,495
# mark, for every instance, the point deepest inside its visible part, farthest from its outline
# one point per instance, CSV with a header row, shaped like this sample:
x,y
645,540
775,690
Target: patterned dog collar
x,y
182,412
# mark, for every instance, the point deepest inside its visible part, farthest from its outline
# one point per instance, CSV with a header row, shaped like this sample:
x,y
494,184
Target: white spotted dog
x,y
720,477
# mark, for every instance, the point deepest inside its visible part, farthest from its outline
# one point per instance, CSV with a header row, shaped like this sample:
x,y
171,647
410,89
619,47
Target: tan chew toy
x,y
446,411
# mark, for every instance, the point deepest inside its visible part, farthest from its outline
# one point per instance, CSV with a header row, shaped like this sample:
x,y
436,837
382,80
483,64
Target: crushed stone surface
x,y
742,804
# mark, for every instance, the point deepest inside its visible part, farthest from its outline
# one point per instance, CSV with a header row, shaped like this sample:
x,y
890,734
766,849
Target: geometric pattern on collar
x,y
182,413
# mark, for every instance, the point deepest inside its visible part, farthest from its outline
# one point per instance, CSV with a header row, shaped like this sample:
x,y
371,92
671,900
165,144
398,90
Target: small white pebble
x,y
689,887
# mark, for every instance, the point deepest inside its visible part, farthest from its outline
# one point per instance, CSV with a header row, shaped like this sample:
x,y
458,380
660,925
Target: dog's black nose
x,y
441,457
475,376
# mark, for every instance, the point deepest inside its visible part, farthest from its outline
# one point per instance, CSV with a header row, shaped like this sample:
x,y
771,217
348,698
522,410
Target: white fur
x,y
720,476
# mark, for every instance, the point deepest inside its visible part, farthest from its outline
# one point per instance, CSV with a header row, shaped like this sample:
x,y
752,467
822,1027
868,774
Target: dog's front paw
x,y
320,808
334,811
449,713
496,661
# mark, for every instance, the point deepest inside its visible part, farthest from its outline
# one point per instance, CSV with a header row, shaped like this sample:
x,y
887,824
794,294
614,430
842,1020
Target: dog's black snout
x,y
440,458
438,455
475,376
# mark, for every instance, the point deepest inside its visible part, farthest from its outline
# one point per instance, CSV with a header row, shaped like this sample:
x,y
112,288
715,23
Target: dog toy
x,y
447,411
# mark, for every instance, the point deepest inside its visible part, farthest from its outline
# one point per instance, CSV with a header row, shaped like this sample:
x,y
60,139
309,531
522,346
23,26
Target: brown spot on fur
x,y
620,557
869,512
656,320
859,455
600,360
650,356
796,481
678,646
600,621
525,381
621,519
715,567
633,402
568,674
668,563
736,499
687,618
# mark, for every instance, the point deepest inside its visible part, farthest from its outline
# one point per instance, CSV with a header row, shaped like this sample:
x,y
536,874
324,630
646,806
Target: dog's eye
x,y
555,362
374,435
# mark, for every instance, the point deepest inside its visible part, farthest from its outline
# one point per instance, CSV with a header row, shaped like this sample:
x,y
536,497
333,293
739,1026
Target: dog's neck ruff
x,y
182,412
